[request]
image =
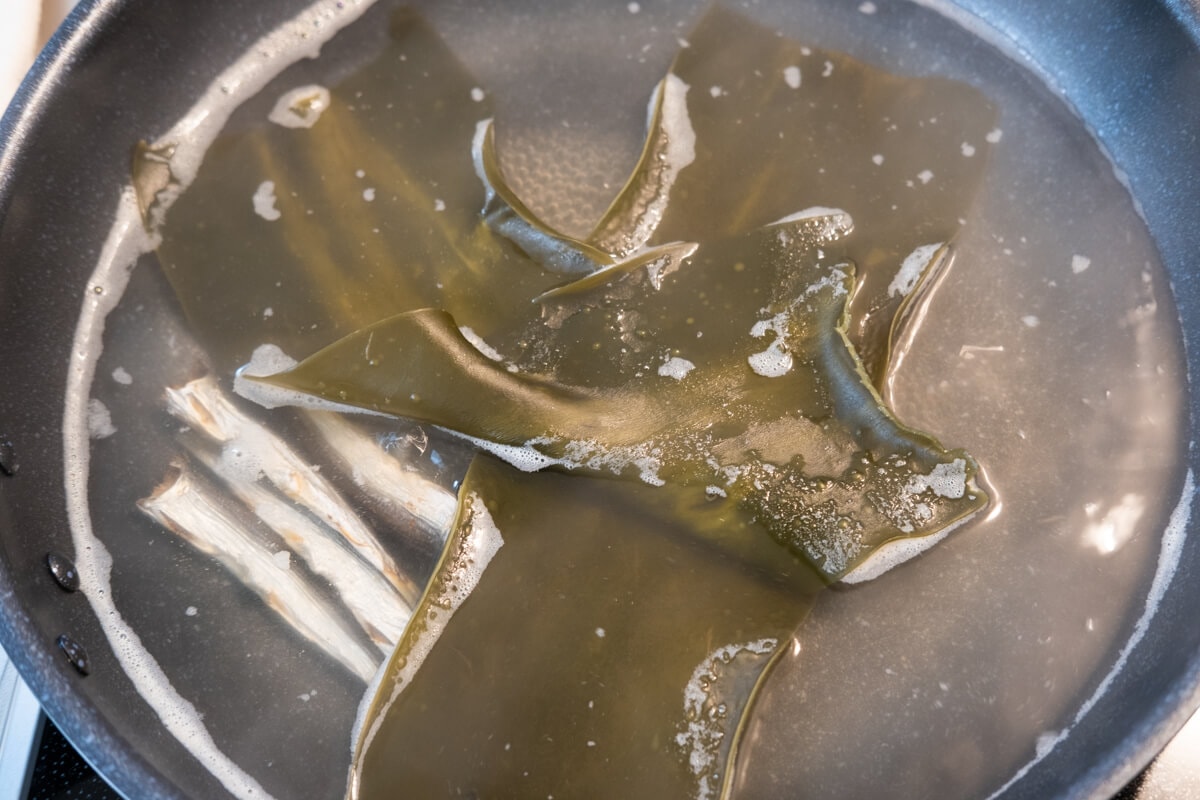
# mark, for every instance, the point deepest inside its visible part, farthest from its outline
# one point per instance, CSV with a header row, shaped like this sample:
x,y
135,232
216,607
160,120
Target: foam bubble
x,y
301,107
676,368
99,420
911,269
791,76
264,201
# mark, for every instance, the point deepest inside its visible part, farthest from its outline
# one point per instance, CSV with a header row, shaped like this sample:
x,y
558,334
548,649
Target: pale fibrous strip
x,y
428,504
203,406
374,602
191,508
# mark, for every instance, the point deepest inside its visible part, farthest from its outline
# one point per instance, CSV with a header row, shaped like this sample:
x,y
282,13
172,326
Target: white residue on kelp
x,y
300,37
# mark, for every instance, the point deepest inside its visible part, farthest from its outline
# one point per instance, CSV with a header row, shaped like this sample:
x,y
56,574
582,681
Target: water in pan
x,y
1051,353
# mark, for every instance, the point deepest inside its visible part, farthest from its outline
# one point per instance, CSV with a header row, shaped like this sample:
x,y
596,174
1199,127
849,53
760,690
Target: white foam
x,y
791,76
911,269
703,733
775,361
99,420
121,376
264,201
301,107
1079,263
127,239
676,368
896,552
946,480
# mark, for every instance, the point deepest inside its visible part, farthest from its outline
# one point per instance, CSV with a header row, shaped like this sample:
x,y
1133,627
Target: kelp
x,y
809,449
696,388
538,685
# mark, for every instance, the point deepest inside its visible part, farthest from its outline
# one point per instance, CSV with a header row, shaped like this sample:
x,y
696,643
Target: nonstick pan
x,y
991,620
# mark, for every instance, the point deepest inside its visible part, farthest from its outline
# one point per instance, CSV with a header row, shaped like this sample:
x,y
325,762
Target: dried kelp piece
x,y
376,605
603,645
508,216
192,509
774,410
670,146
251,447
372,210
658,262
779,126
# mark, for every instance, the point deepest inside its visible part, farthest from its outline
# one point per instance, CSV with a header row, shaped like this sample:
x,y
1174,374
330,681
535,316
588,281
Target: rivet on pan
x,y
8,457
75,653
63,570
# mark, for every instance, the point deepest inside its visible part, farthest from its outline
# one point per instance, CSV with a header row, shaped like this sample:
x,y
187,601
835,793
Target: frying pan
x,y
124,70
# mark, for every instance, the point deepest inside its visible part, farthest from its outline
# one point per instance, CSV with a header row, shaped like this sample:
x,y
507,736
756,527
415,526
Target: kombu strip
x,y
765,150
392,235
335,261
812,453
563,671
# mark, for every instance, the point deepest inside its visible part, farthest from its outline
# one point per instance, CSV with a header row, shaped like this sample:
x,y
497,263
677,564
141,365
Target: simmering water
x,y
1051,353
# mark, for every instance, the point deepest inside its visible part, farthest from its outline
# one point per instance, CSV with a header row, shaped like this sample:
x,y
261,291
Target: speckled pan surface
x,y
123,71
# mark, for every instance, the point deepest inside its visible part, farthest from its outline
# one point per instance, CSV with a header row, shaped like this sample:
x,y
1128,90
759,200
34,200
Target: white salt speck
x,y
828,69
191,611
591,743
878,159
791,76
676,368
600,632
369,194
994,135
634,8
358,173
1030,321
264,201
268,312
968,149
121,376
305,697
100,425
925,176
477,94
806,51
867,8
439,204
1079,263
282,559
716,91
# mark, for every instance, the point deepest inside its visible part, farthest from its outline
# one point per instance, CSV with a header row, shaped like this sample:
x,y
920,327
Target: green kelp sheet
x,y
688,397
